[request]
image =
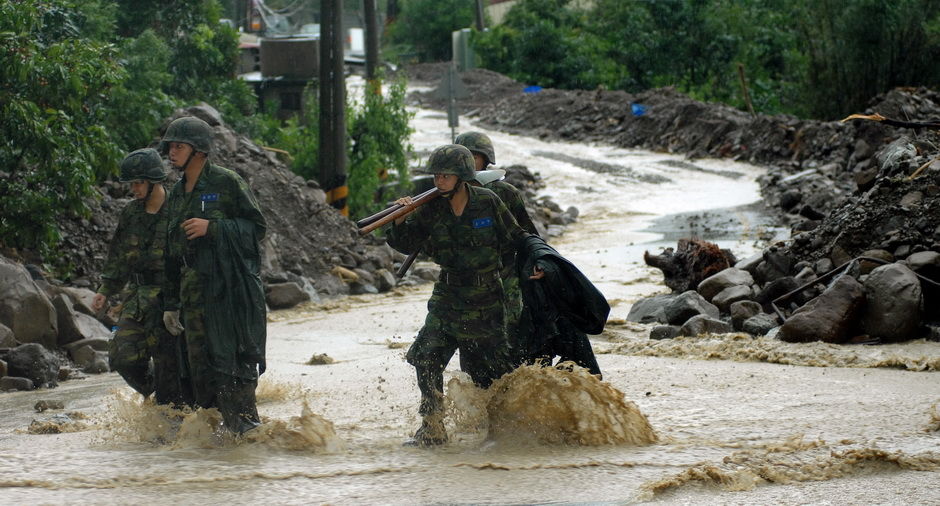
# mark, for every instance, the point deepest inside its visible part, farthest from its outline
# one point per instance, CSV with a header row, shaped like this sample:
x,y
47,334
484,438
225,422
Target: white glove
x,y
171,320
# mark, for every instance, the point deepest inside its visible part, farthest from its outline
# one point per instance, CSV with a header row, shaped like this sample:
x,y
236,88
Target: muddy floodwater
x,y
712,420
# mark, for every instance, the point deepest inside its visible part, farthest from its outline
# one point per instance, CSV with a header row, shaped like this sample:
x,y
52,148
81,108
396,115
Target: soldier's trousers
x,y
130,352
470,319
233,396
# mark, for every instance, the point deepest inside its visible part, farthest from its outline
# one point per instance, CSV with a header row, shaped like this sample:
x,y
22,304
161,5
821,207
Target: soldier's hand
x,y
537,273
171,320
195,227
98,302
404,201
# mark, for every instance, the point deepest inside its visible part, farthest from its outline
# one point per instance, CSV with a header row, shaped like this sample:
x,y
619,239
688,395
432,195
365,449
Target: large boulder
x,y
895,303
686,305
285,295
74,325
702,324
730,295
828,317
742,310
24,307
650,309
32,361
715,284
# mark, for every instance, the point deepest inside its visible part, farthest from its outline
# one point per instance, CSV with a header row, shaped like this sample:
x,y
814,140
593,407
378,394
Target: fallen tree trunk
x,y
692,261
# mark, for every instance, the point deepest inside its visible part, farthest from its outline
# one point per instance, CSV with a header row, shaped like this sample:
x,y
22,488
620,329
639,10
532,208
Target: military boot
x,y
431,433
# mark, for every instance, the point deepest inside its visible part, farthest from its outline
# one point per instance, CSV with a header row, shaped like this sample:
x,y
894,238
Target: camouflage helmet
x,y
452,159
142,164
190,130
478,143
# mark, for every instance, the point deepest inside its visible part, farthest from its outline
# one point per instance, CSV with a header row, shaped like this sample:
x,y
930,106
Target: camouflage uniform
x,y
219,195
135,264
480,144
466,310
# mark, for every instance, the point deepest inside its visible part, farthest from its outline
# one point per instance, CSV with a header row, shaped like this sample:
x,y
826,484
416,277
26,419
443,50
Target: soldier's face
x,y
179,154
479,161
445,182
139,189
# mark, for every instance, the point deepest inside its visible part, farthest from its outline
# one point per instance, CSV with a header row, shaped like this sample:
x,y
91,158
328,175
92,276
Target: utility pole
x,y
332,155
479,13
372,40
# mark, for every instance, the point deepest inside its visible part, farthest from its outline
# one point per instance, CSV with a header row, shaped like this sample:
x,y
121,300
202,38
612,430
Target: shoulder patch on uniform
x,y
209,197
483,222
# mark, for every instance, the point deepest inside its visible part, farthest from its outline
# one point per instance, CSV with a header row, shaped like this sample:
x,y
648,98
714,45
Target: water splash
x,y
550,405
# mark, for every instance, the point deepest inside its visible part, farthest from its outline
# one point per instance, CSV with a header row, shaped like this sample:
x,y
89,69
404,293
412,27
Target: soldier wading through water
x,y
484,155
467,233
213,285
135,265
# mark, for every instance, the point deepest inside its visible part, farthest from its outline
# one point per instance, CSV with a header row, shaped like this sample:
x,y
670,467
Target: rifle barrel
x,y
419,201
381,214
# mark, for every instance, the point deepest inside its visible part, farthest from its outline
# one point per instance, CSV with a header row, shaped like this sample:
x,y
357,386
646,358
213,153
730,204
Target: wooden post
x,y
372,39
332,155
479,16
747,96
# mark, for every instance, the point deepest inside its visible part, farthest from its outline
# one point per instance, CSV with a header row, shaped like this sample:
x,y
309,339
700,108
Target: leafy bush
x,y
53,105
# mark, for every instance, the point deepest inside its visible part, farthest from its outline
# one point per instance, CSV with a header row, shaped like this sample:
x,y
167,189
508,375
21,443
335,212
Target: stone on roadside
x,y
385,280
285,295
686,305
828,317
24,307
650,309
730,295
742,310
716,283
32,361
925,263
660,332
83,356
9,383
3,368
894,303
759,324
702,324
74,325
98,365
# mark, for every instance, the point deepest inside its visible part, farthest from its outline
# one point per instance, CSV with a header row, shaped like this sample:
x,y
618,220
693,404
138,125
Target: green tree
x,y
859,48
545,42
54,88
425,26
379,130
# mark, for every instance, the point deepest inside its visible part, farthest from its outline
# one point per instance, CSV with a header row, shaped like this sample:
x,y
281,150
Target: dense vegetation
x,y
816,58
812,58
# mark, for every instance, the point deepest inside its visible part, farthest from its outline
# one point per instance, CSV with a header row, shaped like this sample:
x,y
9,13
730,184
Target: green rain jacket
x,y
228,262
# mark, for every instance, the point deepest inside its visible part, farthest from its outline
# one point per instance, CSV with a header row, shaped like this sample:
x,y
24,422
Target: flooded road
x,y
736,420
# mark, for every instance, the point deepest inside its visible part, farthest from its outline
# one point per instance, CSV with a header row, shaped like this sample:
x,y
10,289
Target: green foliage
x,y
860,48
377,143
139,105
424,27
379,130
544,42
820,58
53,104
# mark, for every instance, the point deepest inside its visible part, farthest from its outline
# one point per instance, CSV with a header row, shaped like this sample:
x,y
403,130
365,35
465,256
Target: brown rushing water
x,y
720,419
